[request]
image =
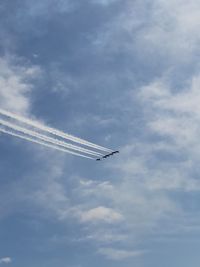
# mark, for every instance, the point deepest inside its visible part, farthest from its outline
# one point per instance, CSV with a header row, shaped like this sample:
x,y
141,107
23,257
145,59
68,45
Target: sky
x,y
120,73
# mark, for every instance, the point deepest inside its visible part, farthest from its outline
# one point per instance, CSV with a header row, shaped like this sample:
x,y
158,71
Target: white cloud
x,y
101,214
5,260
163,96
174,31
177,114
15,85
118,254
156,33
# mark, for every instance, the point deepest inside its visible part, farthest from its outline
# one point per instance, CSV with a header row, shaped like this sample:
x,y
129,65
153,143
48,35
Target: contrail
x,y
52,130
47,138
42,143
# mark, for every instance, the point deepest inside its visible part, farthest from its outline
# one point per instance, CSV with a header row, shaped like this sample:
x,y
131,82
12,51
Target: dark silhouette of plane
x,y
114,152
108,155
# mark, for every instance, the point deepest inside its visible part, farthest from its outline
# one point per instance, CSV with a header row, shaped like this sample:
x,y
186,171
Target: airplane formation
x,y
35,132
108,155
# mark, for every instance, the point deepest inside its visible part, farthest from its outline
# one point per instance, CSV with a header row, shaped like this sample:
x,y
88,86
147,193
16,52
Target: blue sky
x,y
122,74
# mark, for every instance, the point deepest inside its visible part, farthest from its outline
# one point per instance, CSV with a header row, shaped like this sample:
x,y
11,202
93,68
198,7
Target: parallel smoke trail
x,y
42,143
53,131
47,138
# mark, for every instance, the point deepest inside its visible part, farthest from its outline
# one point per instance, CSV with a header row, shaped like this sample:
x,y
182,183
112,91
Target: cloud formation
x,y
118,255
101,214
16,85
5,260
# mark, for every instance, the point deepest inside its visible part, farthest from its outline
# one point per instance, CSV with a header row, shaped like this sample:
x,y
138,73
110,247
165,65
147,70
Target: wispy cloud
x,y
16,84
118,254
102,214
174,114
5,260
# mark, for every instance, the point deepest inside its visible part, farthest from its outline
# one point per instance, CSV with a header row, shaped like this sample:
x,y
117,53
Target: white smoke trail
x,y
47,138
52,130
42,143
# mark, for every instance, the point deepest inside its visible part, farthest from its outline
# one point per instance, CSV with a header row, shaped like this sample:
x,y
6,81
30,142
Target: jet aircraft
x,y
108,155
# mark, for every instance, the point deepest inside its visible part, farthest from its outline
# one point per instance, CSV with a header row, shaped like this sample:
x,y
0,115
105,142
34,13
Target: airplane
x,y
108,155
114,152
111,154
